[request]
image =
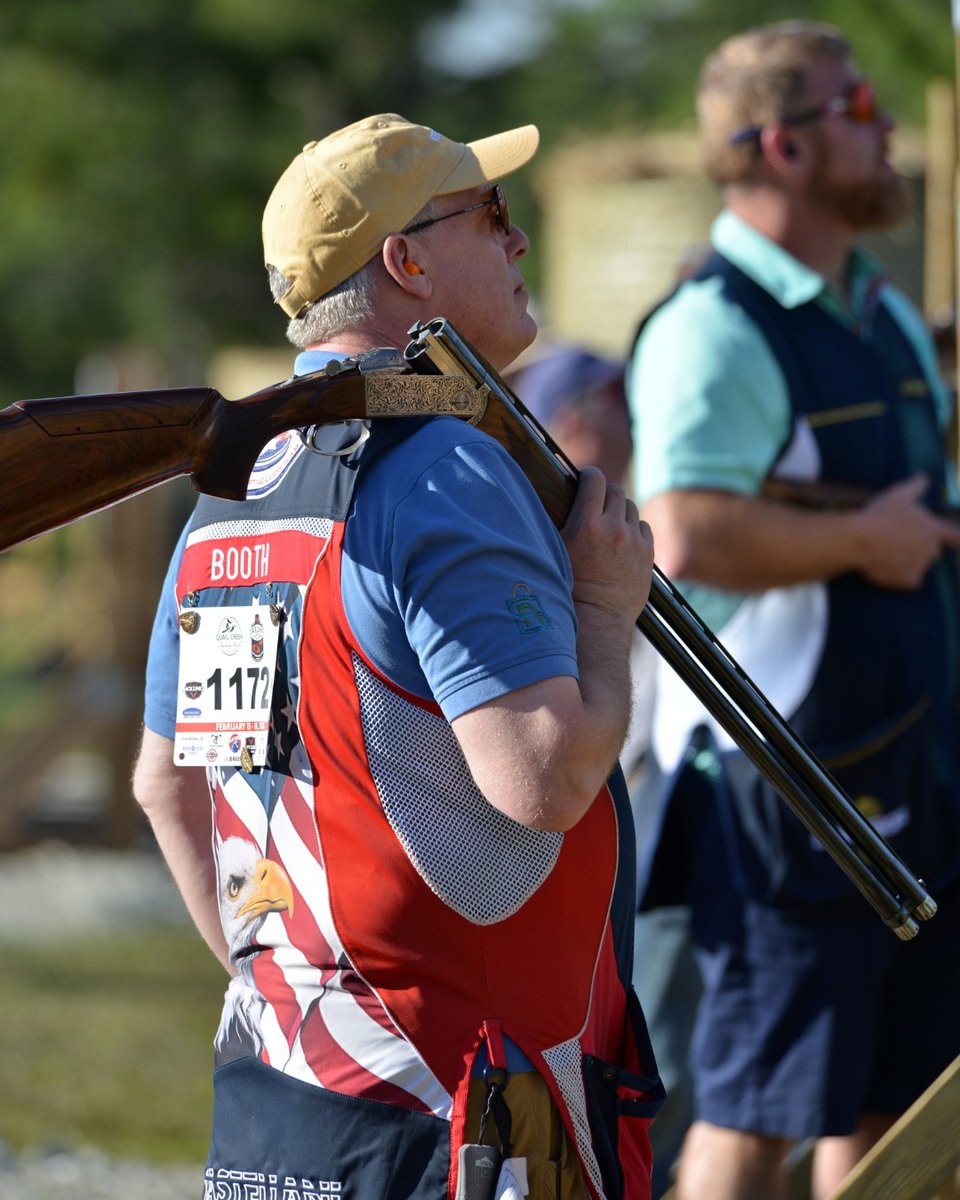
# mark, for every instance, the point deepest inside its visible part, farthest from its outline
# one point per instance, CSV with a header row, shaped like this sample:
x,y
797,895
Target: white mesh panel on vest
x,y
319,527
481,863
565,1062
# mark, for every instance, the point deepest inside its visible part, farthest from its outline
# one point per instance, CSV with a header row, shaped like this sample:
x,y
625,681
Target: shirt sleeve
x,y
160,704
479,600
709,401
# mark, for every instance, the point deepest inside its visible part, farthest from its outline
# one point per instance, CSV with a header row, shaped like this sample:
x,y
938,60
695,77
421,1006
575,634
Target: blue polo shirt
x,y
475,598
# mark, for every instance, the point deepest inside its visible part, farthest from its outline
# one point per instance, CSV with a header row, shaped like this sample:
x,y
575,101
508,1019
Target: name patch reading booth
x,y
228,660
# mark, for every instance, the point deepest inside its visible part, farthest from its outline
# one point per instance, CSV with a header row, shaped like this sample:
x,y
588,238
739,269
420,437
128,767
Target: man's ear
x,y
781,150
406,266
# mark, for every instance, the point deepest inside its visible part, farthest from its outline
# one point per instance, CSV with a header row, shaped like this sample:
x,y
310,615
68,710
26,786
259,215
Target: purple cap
x,y
563,377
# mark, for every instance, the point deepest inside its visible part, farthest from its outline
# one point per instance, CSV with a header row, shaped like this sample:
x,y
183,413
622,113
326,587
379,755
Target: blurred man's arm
x,y
744,544
176,801
712,413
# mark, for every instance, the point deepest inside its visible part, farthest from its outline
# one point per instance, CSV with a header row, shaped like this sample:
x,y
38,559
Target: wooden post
x,y
955,13
919,1154
939,269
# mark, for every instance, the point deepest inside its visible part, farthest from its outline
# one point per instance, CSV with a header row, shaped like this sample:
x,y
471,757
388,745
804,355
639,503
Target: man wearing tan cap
x,y
424,889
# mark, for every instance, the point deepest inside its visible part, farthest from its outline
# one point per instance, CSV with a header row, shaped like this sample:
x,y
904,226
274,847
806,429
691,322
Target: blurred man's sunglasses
x,y
859,104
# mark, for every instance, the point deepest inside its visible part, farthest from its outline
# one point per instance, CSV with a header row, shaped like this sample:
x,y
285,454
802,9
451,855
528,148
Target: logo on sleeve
x,y
525,607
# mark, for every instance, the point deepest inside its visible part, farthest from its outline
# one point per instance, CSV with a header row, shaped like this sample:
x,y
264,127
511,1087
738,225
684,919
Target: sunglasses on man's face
x,y
497,199
859,104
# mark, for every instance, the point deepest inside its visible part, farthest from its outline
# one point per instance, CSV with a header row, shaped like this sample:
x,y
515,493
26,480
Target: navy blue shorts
x,y
805,1025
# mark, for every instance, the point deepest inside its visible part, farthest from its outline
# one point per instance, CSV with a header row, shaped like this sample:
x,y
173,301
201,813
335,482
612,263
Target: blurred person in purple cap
x,y
579,398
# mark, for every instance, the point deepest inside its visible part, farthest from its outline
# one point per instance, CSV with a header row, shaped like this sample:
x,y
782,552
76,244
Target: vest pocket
x,y
620,1094
858,752
887,773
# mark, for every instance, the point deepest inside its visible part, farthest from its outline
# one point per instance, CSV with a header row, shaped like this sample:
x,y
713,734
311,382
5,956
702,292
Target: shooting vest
x,y
386,921
881,712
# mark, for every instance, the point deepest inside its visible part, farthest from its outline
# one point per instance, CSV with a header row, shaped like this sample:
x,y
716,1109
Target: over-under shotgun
x,y
61,459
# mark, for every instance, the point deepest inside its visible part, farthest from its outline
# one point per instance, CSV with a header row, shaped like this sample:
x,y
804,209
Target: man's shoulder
x,y
408,448
701,318
443,456
714,287
903,311
700,294
424,435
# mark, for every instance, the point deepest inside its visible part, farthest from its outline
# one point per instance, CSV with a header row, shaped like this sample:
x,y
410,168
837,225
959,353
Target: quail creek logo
x,y
229,637
525,606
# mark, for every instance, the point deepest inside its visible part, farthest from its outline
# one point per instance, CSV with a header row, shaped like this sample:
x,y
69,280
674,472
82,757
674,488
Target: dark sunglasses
x,y
497,199
859,104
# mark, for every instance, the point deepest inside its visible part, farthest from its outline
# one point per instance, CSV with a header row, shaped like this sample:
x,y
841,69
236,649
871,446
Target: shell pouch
x,y
622,1099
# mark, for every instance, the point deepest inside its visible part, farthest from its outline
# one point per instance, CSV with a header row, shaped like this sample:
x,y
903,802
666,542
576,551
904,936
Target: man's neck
x,y
351,342
813,236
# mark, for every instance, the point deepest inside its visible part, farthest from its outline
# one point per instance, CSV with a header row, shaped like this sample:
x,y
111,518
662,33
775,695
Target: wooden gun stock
x,y
59,455
821,495
63,458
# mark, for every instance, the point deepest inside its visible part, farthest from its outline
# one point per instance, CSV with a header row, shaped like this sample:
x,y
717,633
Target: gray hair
x,y
346,306
349,305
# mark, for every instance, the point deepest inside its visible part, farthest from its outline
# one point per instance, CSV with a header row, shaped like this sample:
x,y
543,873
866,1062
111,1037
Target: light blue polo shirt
x,y
709,401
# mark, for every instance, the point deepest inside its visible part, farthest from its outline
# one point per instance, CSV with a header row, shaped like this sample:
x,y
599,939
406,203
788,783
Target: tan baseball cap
x,y
339,199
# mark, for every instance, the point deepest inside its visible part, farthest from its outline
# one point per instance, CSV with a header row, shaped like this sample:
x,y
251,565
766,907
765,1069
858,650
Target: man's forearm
x,y
541,753
744,544
176,801
604,642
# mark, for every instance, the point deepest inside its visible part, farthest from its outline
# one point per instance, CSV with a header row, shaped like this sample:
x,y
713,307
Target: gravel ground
x,y
81,888
58,891
90,1175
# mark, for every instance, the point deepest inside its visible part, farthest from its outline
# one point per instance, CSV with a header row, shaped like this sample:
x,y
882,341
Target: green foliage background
x,y
107,1040
141,137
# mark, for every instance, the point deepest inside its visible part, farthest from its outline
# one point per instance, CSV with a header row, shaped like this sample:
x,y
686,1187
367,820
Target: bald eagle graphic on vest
x,y
250,888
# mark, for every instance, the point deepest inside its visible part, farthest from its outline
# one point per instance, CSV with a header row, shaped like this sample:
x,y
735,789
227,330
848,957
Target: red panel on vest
x,y
439,974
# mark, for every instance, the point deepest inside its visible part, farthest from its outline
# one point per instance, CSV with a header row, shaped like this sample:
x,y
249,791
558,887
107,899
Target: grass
x,y
106,1041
